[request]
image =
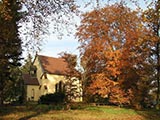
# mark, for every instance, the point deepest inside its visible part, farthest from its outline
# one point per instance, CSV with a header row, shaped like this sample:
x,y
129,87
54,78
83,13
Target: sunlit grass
x,y
45,112
112,110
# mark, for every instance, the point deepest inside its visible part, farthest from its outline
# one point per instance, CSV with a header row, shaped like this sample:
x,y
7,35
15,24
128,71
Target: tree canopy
x,y
115,46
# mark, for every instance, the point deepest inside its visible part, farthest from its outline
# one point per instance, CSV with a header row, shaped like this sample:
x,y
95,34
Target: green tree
x,y
73,83
14,89
10,44
26,68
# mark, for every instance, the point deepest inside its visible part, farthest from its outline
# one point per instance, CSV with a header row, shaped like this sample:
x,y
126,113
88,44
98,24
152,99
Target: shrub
x,y
56,98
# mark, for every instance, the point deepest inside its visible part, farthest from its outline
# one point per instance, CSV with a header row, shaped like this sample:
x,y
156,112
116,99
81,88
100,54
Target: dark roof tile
x,y
28,80
54,65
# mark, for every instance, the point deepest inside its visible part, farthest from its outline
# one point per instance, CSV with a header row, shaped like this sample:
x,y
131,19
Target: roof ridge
x,y
51,57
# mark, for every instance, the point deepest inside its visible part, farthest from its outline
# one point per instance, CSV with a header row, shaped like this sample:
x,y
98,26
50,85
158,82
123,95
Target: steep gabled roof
x,y
53,65
28,80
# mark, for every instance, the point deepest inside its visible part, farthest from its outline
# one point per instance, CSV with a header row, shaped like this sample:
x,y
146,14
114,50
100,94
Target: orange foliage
x,y
101,85
5,10
115,46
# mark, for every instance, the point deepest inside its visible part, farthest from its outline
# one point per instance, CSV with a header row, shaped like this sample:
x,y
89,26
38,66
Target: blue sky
x,y
52,45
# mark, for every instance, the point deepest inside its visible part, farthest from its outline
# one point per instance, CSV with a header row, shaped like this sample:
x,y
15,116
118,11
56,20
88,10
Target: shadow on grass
x,y
41,109
8,109
149,114
27,111
30,116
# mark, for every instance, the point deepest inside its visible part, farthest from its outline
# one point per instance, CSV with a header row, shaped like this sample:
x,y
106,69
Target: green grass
x,y
112,110
79,112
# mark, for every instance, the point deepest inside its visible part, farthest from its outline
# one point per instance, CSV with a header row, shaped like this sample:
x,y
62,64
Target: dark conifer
x,y
10,43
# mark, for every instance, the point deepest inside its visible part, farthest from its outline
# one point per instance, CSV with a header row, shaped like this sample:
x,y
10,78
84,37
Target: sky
x,y
53,46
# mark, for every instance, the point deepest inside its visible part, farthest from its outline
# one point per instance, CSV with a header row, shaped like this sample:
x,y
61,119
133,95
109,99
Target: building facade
x,y
49,76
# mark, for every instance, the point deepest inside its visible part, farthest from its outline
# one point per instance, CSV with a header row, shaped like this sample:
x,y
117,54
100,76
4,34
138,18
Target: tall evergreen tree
x,y
10,44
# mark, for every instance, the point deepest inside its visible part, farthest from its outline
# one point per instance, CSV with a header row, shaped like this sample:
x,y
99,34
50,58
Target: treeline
x,y
119,46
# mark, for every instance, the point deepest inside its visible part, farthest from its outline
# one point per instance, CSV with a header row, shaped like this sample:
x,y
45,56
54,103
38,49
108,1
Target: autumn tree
x,y
112,48
10,44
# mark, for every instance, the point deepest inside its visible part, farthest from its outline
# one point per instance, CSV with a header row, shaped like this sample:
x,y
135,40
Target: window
x,y
32,94
59,87
33,71
56,88
45,76
45,87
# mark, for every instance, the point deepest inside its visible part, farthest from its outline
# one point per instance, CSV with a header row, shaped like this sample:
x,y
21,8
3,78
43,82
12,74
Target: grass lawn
x,y
44,112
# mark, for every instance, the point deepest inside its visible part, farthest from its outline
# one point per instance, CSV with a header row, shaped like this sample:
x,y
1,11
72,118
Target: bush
x,y
56,98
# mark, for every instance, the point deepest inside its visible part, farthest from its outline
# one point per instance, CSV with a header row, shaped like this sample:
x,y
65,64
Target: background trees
x,y
119,48
152,20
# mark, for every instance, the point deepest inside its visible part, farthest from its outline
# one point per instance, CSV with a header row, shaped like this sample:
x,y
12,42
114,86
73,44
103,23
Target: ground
x,y
50,112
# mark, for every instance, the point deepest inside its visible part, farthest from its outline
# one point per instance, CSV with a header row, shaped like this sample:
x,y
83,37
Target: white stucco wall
x,y
39,71
50,82
33,92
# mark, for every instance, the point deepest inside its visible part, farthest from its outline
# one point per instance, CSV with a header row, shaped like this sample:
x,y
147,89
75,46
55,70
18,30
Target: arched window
x,y
59,87
45,87
32,94
45,76
56,87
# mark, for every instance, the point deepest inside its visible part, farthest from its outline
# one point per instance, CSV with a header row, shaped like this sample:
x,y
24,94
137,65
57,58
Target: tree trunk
x,y
1,89
158,76
158,57
1,98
